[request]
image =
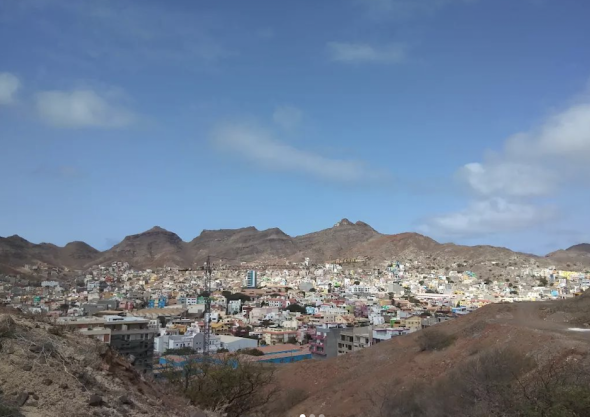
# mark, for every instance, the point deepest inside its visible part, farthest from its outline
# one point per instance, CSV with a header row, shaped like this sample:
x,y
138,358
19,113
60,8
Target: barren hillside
x,y
348,385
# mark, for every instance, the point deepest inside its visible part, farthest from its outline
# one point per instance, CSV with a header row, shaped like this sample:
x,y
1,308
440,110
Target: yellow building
x,y
414,323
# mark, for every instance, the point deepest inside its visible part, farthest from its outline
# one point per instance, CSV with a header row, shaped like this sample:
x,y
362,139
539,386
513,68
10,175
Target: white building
x,y
233,343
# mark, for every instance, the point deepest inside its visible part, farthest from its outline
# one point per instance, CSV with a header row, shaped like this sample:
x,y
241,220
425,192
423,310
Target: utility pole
x,y
207,332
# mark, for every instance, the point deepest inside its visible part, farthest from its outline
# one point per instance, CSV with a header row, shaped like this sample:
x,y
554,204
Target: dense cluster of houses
x,y
288,313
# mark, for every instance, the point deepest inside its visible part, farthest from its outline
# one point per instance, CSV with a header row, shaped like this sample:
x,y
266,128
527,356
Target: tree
x,y
296,308
357,283
251,352
226,385
239,296
543,282
312,290
180,351
421,282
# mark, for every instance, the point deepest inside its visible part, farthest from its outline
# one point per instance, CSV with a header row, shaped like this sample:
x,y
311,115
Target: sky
x,y
465,120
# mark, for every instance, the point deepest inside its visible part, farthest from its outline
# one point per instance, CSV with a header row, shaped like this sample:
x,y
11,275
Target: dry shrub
x,y
433,339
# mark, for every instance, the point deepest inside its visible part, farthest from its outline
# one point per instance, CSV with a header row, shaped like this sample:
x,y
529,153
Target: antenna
x,y
207,331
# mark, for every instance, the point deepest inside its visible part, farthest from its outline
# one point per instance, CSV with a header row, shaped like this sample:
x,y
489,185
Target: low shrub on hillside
x,y
433,339
498,382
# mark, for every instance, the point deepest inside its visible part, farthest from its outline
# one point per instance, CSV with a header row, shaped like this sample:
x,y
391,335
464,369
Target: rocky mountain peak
x,y
344,222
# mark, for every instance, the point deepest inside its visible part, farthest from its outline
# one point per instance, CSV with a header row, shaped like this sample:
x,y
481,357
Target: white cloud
x,y
532,164
287,117
508,179
259,145
364,53
495,215
81,108
564,135
536,163
9,85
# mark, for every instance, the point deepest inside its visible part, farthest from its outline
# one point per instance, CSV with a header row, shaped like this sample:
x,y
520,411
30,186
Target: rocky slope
x,y
48,372
574,254
344,241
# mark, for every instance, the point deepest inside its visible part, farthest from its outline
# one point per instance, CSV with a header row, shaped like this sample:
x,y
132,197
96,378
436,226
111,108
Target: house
x,y
386,333
413,323
274,337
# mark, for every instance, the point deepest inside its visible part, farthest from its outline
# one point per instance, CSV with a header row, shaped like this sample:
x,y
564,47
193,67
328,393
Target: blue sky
x,y
466,120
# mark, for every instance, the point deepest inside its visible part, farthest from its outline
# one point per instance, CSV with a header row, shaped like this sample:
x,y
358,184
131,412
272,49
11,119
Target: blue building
x,y
251,280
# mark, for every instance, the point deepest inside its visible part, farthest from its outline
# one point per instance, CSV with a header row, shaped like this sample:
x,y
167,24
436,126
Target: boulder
x,y
95,401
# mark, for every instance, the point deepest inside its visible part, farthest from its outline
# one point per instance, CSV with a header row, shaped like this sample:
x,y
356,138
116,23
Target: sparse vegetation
x,y
434,339
225,385
501,383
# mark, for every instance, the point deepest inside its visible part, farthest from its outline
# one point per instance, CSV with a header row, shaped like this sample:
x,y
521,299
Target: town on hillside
x,y
273,314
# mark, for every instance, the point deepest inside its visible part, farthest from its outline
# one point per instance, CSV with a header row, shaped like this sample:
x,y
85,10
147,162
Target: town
x,y
276,313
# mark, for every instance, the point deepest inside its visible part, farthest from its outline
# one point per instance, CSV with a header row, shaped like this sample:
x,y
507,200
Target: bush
x,y
433,339
227,386
8,410
252,352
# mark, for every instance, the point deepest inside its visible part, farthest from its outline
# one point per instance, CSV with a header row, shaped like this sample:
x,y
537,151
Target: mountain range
x,y
158,247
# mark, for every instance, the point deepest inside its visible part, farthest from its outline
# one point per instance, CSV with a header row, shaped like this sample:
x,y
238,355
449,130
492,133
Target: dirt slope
x,y
343,386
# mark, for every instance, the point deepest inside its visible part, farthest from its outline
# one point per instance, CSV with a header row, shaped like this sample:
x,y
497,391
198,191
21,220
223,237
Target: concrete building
x,y
88,326
251,280
354,338
133,338
324,342
275,337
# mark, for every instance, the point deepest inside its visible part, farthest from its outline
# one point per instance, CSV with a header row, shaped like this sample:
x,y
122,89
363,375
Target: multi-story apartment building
x,y
324,341
354,338
251,279
133,338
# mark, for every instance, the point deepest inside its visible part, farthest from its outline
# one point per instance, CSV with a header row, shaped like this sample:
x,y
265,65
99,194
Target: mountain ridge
x,y
158,247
